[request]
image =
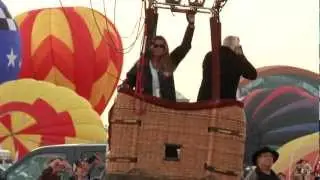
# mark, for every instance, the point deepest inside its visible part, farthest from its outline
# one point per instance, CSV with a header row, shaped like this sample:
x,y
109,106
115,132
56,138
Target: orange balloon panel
x,y
37,113
78,48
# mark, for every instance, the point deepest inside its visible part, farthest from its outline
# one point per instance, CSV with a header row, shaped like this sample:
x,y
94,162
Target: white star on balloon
x,y
11,57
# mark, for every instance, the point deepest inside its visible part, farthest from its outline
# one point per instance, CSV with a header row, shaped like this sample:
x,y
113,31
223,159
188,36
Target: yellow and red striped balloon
x,y
38,113
75,47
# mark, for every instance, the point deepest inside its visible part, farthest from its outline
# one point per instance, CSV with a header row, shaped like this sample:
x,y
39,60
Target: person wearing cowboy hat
x,y
263,159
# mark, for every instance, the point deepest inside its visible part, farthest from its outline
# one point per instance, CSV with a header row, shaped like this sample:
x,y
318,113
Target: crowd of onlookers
x,y
263,160
81,170
303,170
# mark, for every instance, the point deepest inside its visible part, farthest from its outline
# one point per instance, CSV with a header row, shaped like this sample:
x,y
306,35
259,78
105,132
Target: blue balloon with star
x,y
10,47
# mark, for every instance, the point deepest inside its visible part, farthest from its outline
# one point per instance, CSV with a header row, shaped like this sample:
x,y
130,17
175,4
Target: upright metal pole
x,y
150,26
215,26
152,21
215,47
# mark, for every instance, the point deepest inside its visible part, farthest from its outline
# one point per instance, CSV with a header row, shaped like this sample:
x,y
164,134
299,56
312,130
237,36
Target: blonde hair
x,y
231,41
166,65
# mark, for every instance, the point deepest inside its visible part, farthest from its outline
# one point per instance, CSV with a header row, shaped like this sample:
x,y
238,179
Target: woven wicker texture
x,y
212,140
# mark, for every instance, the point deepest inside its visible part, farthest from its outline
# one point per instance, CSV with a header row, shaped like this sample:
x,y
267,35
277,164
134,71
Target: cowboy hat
x,y
274,153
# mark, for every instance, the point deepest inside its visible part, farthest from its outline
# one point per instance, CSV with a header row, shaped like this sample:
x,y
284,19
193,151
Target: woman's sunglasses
x,y
158,45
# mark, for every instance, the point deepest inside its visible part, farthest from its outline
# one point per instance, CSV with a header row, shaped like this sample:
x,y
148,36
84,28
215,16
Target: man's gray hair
x,y
231,41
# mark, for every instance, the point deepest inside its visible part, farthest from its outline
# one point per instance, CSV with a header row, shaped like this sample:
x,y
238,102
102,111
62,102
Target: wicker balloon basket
x,y
157,139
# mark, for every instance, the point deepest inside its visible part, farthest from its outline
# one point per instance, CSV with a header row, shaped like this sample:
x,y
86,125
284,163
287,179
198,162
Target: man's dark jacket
x,y
232,67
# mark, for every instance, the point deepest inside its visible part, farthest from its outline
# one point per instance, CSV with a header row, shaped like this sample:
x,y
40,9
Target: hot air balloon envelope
x,y
36,113
9,46
74,47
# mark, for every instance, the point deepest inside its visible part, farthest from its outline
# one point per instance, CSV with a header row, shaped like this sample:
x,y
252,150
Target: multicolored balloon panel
x,y
271,77
37,113
281,105
74,47
9,46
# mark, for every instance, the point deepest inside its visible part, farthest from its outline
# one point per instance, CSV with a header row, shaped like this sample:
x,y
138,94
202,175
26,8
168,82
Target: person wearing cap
x,y
264,159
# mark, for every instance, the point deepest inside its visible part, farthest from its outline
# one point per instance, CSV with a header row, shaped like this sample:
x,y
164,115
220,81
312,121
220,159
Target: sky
x,y
272,32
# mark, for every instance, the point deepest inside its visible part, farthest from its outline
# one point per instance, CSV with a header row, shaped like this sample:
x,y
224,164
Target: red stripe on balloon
x,y
101,105
102,60
280,91
63,58
45,116
118,52
20,148
115,47
25,30
251,96
43,67
84,53
52,52
48,122
6,121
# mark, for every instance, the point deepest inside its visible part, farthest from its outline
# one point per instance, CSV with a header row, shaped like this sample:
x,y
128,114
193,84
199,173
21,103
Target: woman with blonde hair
x,y
157,78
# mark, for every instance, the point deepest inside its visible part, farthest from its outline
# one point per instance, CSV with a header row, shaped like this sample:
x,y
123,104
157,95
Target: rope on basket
x,y
139,80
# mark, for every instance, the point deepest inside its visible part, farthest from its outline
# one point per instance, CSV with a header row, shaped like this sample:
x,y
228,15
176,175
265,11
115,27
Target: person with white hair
x,y
233,65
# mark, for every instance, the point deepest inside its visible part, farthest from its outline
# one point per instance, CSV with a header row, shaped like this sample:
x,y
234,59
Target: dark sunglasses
x,y
158,45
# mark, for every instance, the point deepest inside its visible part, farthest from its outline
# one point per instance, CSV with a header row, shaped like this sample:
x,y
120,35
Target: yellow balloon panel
x,y
34,113
59,28
295,150
50,93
